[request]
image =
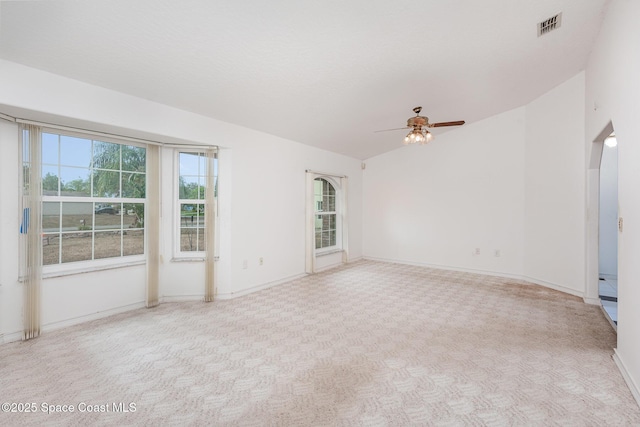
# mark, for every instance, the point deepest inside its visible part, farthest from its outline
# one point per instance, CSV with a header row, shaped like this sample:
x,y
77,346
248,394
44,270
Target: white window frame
x,y
337,212
75,267
178,253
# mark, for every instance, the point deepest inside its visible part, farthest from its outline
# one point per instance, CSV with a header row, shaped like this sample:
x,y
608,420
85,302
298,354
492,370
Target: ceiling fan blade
x,y
387,130
442,124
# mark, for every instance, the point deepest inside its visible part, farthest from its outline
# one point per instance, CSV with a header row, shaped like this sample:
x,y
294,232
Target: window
x,y
93,198
192,172
326,218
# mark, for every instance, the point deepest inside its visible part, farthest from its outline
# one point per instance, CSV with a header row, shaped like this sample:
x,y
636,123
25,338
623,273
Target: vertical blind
x,y
344,183
31,227
152,225
210,227
310,241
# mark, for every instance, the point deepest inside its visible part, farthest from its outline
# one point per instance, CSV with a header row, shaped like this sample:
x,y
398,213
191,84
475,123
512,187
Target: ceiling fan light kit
x,y
421,137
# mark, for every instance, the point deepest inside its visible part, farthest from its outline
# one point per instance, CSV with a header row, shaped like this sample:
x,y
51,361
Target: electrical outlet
x,y
620,224
496,253
261,261
245,264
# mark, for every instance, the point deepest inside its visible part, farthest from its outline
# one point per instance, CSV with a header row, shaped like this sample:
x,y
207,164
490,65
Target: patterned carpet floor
x,y
366,344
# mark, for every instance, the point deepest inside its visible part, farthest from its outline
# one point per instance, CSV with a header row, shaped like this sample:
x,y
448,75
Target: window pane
x,y
108,216
107,244
326,222
329,203
133,185
50,180
76,247
74,182
50,249
106,183
326,239
188,187
75,151
202,188
328,189
106,155
201,239
133,215
332,238
319,222
51,217
191,214
133,242
134,158
318,202
318,239
192,227
189,164
50,148
332,222
188,239
77,216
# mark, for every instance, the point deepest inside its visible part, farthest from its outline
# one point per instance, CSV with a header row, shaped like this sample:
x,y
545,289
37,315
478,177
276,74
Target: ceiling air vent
x,y
549,24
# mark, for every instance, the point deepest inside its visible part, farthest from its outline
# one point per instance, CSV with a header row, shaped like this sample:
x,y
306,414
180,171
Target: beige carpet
x,y
368,344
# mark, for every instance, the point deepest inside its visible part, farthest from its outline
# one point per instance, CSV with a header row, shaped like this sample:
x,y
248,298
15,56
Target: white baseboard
x,y
338,264
89,317
17,336
635,391
550,285
329,267
12,337
592,301
181,298
446,267
231,295
554,286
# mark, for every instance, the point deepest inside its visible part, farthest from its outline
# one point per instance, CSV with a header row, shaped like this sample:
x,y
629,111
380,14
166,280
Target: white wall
x,y
261,199
435,204
513,182
555,188
608,236
613,95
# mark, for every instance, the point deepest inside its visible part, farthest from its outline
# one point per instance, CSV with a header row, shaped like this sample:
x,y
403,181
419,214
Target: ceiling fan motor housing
x,y
418,121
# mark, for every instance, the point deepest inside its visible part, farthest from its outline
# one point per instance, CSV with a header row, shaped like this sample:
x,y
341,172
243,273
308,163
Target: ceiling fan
x,y
419,128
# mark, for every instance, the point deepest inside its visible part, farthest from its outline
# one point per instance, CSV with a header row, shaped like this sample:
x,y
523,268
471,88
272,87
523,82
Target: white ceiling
x,y
324,73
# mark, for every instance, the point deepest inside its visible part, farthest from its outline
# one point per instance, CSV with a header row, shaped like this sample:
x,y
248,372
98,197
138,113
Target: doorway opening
x,y
594,253
608,229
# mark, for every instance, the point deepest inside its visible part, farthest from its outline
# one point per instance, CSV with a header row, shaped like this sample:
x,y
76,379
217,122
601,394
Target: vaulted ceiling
x,y
324,73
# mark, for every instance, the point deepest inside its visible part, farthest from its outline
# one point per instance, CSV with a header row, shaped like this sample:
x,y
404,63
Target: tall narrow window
x,y
326,218
192,186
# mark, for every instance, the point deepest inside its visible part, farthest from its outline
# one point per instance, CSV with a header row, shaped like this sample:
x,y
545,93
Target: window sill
x,y
192,259
90,269
329,252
